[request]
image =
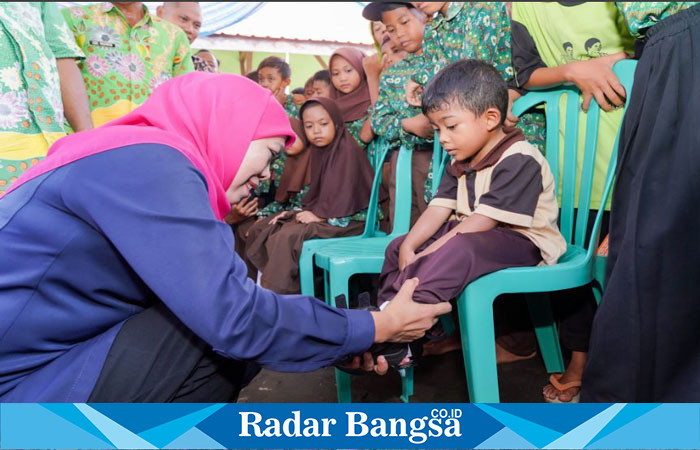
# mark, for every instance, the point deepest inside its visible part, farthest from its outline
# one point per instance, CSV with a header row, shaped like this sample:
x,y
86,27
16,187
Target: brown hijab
x,y
297,168
341,175
353,106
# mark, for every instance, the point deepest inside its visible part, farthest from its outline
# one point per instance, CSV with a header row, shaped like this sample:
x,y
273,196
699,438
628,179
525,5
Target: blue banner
x,y
378,426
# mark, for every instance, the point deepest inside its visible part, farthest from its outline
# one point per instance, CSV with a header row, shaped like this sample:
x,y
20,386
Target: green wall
x,y
303,66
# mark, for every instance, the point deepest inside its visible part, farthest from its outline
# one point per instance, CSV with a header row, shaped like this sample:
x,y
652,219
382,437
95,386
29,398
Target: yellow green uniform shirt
x,y
563,34
125,64
32,36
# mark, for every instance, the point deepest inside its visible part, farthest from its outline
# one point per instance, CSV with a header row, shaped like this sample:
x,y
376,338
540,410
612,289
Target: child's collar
x,y
513,135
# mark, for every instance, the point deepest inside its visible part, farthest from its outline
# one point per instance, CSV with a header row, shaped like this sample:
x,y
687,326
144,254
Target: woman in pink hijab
x,y
119,280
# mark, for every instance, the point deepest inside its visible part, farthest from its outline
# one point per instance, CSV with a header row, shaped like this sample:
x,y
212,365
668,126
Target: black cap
x,y
374,10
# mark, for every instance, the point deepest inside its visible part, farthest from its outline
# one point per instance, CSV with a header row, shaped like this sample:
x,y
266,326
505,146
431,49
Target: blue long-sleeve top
x,y
88,245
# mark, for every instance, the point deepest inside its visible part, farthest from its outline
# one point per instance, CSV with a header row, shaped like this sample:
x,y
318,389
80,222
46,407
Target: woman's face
x,y
318,125
255,167
343,75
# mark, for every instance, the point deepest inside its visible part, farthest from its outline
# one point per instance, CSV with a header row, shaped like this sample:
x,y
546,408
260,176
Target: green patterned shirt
x,y
32,36
290,108
391,105
294,204
642,15
124,63
469,30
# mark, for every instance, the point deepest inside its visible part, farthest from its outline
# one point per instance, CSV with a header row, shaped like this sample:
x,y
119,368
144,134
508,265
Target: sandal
x,y
561,387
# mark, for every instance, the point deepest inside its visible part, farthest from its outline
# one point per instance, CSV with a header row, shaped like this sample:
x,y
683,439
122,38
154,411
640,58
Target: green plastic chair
x,y
577,267
344,258
306,259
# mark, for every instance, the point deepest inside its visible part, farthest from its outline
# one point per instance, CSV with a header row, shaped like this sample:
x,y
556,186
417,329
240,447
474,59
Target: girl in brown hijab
x,y
334,206
350,90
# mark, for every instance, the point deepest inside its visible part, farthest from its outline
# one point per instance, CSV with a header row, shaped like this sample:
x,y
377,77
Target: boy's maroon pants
x,y
444,273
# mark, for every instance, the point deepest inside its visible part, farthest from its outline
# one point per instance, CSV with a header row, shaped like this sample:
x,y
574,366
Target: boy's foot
x,y
503,356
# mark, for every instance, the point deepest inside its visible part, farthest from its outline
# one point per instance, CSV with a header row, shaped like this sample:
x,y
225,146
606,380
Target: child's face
x,y
318,125
429,8
344,76
461,132
321,89
391,53
309,90
404,28
378,31
271,79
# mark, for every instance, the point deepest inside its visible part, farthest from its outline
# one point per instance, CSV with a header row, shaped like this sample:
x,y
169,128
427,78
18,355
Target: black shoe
x,y
394,353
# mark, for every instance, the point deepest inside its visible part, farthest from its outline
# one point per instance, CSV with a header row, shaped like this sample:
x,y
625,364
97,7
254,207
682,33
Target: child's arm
x,y
427,225
366,134
594,77
473,224
418,125
385,120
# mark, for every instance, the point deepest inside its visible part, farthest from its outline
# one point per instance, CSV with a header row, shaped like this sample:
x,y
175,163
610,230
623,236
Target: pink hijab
x,y
209,118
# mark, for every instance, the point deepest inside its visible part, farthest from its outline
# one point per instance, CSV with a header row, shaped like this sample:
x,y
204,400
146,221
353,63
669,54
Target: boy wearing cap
x,y
392,117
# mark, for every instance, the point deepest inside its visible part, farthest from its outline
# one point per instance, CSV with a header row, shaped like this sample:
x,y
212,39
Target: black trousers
x,y
645,344
155,358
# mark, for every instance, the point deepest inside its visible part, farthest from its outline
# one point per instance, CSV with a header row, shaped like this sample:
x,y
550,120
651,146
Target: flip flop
x,y
561,387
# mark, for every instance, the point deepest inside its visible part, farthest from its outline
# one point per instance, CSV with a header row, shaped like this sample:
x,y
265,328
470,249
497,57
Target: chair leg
x,y
306,271
597,291
546,331
406,384
475,307
343,386
338,285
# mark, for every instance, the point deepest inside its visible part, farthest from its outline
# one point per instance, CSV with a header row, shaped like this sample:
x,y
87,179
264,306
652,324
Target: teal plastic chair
x,y
306,259
577,267
342,259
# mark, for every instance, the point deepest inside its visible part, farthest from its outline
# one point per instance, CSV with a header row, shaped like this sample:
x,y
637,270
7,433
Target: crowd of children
x,y
454,68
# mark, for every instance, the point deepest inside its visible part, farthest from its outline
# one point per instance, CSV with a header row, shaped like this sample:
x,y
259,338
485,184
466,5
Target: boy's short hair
x,y
473,84
309,82
252,75
323,75
299,90
277,63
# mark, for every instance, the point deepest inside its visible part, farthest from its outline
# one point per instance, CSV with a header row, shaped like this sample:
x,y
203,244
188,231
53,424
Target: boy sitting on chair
x,y
495,206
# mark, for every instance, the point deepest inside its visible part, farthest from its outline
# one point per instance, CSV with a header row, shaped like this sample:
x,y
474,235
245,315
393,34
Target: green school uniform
x,y
562,34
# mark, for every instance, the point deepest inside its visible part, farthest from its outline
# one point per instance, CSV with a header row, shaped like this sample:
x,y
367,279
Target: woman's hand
x,y
404,320
307,217
406,257
596,79
247,207
280,216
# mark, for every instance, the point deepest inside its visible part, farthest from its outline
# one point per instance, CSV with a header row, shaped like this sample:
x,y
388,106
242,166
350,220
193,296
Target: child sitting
x,y
350,91
495,206
322,83
334,206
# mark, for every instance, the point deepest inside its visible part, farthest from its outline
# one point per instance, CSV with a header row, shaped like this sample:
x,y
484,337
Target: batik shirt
x,y
642,15
290,108
469,30
124,63
293,204
391,106
32,36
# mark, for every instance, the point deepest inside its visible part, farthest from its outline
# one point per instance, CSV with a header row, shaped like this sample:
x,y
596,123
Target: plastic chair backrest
x,y
404,191
381,148
574,232
440,159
